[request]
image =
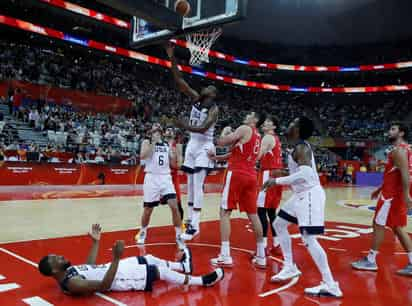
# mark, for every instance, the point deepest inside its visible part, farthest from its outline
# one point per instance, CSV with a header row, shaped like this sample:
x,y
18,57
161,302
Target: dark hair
x,y
44,266
261,118
402,127
306,127
274,119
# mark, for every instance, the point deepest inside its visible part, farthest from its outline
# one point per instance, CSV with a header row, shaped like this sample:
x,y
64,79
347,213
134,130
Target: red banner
x,y
79,100
25,173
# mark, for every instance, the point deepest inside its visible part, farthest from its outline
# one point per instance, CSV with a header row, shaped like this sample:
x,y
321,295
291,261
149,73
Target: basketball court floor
x,y
36,223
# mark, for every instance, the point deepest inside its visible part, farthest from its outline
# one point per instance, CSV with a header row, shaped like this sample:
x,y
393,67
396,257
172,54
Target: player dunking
x,y
394,200
158,182
306,208
240,188
271,165
203,118
129,274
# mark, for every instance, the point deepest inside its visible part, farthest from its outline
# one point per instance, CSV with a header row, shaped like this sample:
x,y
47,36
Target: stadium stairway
x,y
25,132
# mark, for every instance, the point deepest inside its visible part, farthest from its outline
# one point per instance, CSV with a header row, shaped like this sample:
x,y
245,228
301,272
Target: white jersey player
x,y
201,126
129,274
158,183
306,208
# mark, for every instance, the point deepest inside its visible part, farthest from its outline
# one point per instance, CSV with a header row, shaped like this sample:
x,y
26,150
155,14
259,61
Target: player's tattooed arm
x,y
181,84
210,120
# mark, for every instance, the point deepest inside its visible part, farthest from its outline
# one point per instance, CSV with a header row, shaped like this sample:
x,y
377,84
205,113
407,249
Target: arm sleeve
x,y
303,173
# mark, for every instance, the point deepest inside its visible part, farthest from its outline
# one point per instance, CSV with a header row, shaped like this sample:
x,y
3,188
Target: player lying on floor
x,y
129,274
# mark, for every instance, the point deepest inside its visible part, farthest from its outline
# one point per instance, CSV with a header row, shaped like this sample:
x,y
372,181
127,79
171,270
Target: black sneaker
x,y
186,261
211,279
190,233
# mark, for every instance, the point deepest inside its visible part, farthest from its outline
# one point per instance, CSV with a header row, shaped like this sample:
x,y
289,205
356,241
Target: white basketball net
x,y
199,44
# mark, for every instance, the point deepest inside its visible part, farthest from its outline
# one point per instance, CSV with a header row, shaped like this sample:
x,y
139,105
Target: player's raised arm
x,y
210,120
229,138
268,142
94,234
79,286
177,75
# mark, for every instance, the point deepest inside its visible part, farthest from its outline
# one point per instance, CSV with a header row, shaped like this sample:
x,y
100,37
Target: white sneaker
x,y
324,289
259,262
180,243
141,237
221,260
286,273
190,233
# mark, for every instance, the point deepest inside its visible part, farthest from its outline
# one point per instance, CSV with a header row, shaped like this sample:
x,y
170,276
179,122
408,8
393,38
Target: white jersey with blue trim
x,y
308,183
130,274
158,163
197,118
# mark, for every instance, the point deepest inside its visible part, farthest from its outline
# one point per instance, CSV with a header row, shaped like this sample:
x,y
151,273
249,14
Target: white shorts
x,y
157,186
307,209
132,275
196,156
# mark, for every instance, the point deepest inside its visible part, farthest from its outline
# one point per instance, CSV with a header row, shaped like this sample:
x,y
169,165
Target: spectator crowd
x,y
102,137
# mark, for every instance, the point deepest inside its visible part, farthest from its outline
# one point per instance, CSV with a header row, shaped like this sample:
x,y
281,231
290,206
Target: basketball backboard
x,y
204,13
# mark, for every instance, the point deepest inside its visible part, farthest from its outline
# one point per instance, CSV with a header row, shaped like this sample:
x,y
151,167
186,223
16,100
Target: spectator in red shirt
x,y
17,101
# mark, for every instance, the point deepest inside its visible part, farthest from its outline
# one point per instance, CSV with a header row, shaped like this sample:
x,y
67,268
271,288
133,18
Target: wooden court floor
x,y
39,219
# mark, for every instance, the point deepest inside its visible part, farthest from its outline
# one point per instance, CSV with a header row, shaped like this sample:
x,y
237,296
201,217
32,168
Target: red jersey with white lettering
x,y
273,159
391,209
392,180
240,189
244,156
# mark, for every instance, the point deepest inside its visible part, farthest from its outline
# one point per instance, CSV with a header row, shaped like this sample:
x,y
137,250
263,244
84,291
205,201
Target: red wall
x,y
80,100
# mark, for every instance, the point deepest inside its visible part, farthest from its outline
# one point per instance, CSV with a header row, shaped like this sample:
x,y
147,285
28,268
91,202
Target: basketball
x,y
182,7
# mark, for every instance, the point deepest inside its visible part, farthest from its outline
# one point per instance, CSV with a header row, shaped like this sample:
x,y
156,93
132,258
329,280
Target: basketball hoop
x,y
199,44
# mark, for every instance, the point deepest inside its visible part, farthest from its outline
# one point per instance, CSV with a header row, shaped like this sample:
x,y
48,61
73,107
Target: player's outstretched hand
x,y
269,183
118,249
95,232
375,194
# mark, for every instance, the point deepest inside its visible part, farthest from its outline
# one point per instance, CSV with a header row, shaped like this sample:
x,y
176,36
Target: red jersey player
x,y
175,145
394,200
240,186
271,164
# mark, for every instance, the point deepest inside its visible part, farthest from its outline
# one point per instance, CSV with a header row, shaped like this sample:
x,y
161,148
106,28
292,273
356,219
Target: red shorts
x,y
392,212
240,191
270,198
